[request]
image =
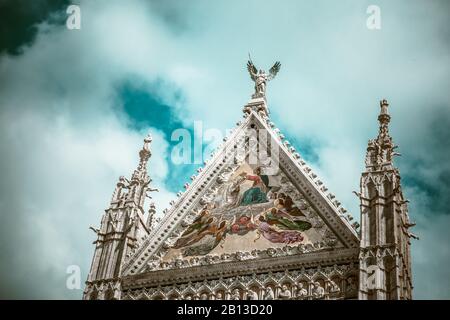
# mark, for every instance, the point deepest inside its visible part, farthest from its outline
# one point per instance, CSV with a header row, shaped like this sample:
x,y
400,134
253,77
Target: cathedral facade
x,y
256,223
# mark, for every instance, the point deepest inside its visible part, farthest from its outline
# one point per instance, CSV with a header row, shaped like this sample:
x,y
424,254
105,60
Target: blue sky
x,y
76,104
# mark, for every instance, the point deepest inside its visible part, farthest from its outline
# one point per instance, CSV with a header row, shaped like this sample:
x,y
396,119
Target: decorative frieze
x,y
333,282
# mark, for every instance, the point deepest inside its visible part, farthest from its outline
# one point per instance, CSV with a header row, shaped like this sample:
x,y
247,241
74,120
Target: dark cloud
x,y
142,109
18,19
429,169
146,109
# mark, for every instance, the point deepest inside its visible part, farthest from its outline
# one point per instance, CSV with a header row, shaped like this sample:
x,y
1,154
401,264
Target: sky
x,y
75,106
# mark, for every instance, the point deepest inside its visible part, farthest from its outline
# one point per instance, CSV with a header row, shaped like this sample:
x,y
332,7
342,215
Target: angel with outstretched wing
x,y
260,78
274,70
252,70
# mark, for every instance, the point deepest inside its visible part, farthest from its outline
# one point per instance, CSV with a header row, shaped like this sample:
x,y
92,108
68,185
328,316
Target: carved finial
x,y
151,215
140,178
380,150
384,106
145,153
147,140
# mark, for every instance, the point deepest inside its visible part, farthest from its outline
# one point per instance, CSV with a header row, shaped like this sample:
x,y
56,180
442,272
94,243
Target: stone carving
x,y
236,295
260,285
219,296
318,292
301,291
351,288
380,151
252,295
261,77
269,294
151,219
178,262
285,293
334,289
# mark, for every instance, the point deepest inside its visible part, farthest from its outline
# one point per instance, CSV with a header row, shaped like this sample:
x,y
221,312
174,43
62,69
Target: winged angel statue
x,y
261,77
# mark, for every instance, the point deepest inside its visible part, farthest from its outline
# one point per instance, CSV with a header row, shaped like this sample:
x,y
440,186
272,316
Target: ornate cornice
x,y
228,269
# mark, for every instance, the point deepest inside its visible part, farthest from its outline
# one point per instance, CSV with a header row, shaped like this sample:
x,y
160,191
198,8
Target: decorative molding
x,y
226,269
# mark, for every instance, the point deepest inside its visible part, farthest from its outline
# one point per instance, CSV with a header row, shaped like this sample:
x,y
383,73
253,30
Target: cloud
x,y
63,148
429,254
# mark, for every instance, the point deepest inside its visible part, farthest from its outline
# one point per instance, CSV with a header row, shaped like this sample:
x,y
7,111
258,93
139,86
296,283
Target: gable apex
x,y
222,162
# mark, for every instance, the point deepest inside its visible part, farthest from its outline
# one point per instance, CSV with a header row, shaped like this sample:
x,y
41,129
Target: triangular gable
x,y
211,223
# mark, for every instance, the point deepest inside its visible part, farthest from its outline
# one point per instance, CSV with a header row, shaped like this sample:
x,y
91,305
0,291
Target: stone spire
x,y
151,219
122,229
385,262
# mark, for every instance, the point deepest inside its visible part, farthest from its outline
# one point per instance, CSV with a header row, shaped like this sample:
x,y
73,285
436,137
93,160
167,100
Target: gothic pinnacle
x,y
144,154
